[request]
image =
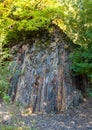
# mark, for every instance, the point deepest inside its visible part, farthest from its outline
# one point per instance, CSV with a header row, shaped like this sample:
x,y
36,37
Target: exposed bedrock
x,y
42,79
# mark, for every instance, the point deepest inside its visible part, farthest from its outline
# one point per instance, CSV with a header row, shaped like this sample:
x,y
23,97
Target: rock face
x,y
42,77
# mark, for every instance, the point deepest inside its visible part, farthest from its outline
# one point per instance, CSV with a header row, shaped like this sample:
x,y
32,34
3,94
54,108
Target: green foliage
x,y
77,18
89,91
4,79
82,61
3,127
6,98
20,17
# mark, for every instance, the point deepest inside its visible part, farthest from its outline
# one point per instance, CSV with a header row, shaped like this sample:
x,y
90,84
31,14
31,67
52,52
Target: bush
x,y
89,91
6,98
4,80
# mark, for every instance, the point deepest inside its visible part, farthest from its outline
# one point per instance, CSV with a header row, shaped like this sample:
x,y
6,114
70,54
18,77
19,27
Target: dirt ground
x,y
79,118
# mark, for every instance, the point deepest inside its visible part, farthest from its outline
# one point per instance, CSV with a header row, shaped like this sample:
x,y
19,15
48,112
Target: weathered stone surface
x,y
45,83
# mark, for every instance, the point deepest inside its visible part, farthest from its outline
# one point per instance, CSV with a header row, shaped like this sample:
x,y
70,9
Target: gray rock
x,y
45,83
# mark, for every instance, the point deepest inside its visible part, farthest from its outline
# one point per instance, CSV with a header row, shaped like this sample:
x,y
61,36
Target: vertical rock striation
x,y
43,78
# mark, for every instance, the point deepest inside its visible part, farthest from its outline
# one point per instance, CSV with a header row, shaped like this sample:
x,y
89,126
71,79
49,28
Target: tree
x,y
77,19
25,16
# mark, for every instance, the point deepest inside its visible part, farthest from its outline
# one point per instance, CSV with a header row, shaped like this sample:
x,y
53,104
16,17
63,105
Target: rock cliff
x,y
42,78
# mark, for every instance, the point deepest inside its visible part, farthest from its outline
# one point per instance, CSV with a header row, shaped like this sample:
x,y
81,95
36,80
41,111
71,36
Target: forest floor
x,y
79,118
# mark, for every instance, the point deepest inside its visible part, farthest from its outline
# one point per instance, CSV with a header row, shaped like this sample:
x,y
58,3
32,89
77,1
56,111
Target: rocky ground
x,y
79,118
